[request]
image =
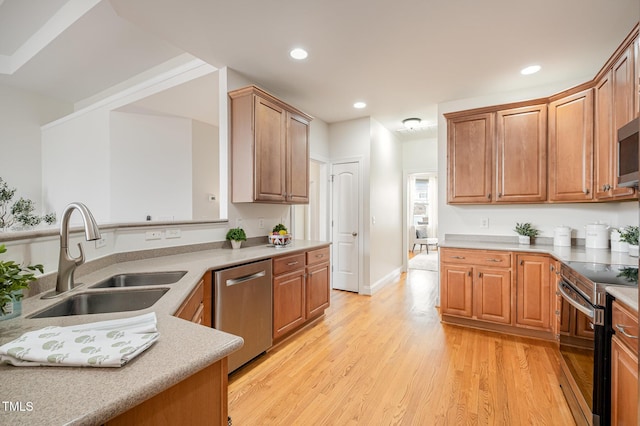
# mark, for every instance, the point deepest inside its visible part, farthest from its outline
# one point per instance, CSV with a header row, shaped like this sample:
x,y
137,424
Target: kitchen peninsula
x,y
79,396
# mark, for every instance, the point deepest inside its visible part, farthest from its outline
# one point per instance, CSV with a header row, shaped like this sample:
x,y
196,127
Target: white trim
x,y
388,279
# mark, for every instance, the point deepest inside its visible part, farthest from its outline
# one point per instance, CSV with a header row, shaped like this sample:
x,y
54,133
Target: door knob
x,y
355,234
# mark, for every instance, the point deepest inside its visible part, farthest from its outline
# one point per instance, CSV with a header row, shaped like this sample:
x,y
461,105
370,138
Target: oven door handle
x,y
588,312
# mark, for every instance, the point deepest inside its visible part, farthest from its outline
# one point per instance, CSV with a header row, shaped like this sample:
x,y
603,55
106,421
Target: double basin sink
x,y
116,299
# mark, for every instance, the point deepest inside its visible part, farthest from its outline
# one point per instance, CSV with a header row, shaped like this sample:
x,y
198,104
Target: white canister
x,y
597,236
562,236
616,244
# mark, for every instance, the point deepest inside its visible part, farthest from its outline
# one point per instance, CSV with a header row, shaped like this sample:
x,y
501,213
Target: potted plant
x,y
236,236
629,234
525,231
13,279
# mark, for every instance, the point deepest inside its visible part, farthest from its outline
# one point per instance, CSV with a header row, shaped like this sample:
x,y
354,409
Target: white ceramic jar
x,y
562,236
597,236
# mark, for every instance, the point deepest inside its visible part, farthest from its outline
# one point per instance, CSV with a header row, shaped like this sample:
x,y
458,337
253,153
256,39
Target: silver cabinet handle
x,y
494,260
457,257
292,263
355,234
586,191
621,329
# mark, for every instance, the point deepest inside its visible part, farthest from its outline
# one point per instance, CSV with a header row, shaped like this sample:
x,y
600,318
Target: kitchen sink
x,y
141,278
101,303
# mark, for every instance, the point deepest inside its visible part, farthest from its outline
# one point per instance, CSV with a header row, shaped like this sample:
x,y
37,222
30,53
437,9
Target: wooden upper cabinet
x,y
571,147
521,148
636,49
469,158
605,147
269,149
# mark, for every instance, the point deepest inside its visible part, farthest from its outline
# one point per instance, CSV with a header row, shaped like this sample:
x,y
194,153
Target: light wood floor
x,y
387,360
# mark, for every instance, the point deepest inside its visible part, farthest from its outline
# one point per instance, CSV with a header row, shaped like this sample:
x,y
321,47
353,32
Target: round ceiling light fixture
x,y
411,123
532,69
359,105
298,53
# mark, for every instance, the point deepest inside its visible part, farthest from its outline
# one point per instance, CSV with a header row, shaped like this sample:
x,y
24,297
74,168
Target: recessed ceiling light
x,y
530,70
298,53
359,105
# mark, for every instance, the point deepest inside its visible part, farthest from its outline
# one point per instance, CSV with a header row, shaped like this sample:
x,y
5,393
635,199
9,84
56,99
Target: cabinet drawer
x,y
499,259
195,302
625,325
284,264
318,256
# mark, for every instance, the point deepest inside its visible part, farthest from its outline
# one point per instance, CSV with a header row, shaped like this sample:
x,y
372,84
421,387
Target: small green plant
x,y
629,234
13,278
236,234
279,228
20,212
526,229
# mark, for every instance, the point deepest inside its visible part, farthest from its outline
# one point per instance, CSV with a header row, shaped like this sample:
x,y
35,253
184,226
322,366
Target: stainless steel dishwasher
x,y
243,306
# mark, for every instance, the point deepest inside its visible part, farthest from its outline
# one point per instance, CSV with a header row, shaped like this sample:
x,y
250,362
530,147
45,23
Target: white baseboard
x,y
381,283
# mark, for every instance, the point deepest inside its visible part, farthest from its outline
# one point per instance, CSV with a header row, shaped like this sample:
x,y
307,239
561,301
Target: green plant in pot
x,y
236,236
526,231
629,234
13,279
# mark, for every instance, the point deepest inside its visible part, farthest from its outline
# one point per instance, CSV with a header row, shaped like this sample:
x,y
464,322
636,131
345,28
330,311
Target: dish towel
x,y
100,344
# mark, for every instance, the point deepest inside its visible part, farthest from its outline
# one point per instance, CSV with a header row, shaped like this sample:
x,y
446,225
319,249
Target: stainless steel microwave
x,y
628,154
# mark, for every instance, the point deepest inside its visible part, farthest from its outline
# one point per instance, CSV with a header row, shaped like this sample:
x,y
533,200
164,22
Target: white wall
x,y
386,204
205,177
420,155
76,165
456,219
21,115
150,167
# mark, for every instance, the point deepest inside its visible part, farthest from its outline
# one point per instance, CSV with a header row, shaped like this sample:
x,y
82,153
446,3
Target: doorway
x,y
422,221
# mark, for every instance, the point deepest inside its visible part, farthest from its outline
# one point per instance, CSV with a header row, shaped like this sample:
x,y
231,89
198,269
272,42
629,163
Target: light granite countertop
x,y
629,295
91,396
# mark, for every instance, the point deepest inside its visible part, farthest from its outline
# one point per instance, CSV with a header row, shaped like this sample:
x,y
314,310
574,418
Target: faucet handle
x,y
80,259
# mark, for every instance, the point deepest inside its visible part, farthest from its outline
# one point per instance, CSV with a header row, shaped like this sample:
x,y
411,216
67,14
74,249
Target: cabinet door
x,y
270,151
521,144
318,287
624,384
571,147
470,151
605,143
533,292
636,49
298,159
456,290
623,108
288,302
492,295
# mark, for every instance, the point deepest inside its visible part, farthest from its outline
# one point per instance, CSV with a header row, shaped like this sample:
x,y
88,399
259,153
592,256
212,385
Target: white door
x,y
346,225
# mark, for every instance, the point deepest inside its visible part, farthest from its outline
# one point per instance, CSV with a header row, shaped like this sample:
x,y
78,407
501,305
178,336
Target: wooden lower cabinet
x,y
288,302
301,289
624,384
533,292
479,288
200,399
197,307
624,365
471,290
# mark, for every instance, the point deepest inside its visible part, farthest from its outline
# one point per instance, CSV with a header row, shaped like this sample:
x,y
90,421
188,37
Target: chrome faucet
x,y
67,264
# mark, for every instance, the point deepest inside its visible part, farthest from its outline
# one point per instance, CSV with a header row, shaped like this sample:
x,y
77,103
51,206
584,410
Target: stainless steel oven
x,y
584,347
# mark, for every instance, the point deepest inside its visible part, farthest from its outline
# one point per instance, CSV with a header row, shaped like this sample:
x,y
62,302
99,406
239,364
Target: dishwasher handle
x,y
234,281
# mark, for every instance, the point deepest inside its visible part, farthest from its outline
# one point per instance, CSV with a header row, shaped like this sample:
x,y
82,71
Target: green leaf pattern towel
x,y
99,344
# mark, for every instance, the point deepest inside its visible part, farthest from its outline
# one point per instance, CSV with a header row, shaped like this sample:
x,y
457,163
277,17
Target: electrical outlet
x,y
153,235
101,242
484,222
172,233
261,223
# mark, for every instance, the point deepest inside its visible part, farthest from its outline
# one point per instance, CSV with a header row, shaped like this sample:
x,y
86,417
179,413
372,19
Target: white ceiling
x,y
402,57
